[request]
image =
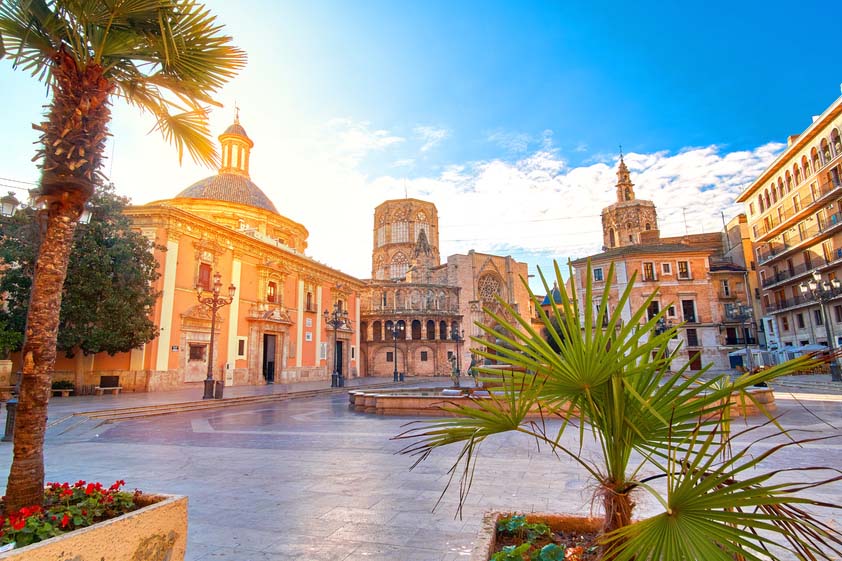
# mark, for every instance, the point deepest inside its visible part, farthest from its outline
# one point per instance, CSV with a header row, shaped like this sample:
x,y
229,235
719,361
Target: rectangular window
x,y
692,338
423,356
649,272
390,357
755,231
381,236
808,260
671,311
837,313
242,343
400,232
751,209
726,288
197,352
688,309
785,323
827,251
799,320
323,351
817,317
353,352
271,292
597,274
684,269
308,336
653,309
666,268
796,203
204,280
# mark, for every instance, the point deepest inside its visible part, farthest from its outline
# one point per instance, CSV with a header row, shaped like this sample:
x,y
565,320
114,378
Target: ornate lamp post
x,y
824,292
396,328
214,301
9,205
336,319
458,336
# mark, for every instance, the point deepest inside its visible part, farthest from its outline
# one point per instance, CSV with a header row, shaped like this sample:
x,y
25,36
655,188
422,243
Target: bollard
x,y
11,413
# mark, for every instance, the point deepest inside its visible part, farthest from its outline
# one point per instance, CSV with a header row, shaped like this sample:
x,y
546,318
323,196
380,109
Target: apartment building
x,y
794,209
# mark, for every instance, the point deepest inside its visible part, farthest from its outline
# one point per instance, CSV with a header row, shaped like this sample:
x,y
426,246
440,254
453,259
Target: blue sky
x,y
507,115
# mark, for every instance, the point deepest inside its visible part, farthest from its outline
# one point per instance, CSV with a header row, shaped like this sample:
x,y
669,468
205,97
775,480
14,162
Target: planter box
x,y
155,532
487,536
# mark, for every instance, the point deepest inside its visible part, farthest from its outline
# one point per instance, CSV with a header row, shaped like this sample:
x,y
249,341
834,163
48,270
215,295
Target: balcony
x,y
726,294
409,310
776,249
740,341
773,224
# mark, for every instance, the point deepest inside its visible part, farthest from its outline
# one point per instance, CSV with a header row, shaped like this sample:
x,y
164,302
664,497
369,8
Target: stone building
x,y
430,308
794,210
698,283
274,330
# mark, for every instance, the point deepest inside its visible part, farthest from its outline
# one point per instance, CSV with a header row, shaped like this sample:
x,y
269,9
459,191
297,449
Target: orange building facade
x,y
274,330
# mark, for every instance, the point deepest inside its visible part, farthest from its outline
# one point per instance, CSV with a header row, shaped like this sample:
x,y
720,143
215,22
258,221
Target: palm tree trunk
x,y
26,476
618,508
72,144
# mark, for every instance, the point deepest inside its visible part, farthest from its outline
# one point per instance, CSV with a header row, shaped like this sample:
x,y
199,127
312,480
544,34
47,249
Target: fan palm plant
x,y
610,381
165,57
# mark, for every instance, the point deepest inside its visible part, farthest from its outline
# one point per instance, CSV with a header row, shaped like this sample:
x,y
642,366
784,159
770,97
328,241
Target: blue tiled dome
x,y
230,187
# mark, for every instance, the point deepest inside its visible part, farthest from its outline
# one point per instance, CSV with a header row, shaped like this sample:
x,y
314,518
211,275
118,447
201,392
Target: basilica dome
x,y
232,184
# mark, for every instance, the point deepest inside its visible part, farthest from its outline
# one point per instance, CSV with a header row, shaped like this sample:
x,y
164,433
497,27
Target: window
x,y
817,317
323,351
653,309
308,336
204,280
785,323
309,302
684,269
688,309
241,347
666,268
799,320
649,272
837,313
400,232
692,338
726,288
796,203
751,208
197,352
272,292
423,356
597,274
390,357
671,311
381,236
808,259
353,352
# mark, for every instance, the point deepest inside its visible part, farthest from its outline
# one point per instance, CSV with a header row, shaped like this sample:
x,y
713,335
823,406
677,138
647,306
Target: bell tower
x,y
629,221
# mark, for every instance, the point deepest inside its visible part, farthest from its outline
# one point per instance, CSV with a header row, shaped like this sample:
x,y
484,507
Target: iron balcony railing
x,y
774,249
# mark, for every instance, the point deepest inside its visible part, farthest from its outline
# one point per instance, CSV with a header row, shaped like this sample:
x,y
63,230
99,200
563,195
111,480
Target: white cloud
x,y
514,142
430,136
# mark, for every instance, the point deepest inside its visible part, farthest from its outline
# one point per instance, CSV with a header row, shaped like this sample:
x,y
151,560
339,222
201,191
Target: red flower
x,y
80,483
90,488
65,520
17,523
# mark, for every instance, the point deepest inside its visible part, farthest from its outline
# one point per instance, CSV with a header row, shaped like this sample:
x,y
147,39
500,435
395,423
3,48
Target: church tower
x,y
629,221
406,240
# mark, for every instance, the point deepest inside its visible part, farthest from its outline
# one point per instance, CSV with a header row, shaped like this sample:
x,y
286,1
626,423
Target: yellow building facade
x,y
274,330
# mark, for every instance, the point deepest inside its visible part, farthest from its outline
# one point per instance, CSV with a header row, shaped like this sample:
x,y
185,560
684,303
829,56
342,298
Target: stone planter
x,y
155,532
487,536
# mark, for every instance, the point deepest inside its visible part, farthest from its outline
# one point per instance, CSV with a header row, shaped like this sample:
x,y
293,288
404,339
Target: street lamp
x,y
742,314
397,327
824,292
458,336
9,205
336,319
214,301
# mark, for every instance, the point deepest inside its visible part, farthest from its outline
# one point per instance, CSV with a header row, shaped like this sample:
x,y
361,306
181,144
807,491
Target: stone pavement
x,y
310,479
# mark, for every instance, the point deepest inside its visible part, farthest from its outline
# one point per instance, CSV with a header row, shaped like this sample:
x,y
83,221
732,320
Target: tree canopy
x,y
109,290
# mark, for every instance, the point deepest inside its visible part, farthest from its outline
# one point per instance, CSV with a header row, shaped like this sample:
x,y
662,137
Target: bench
x,y
62,392
108,384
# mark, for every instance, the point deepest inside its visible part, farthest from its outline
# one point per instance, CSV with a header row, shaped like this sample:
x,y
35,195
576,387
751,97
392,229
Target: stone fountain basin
x,y
429,401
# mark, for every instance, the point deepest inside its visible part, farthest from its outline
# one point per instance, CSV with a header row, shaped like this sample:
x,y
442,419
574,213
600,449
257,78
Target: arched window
x,y
814,155
611,241
401,330
774,193
377,331
339,305
388,330
431,330
416,329
364,330
760,203
399,266
768,199
454,329
825,150
836,142
628,194
442,330
805,164
648,226
788,184
309,302
272,292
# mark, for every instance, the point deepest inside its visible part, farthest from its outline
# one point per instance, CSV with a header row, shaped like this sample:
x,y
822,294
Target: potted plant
x,y
9,341
657,432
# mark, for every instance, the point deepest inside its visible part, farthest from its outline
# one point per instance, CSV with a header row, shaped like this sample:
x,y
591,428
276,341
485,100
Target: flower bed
x,y
66,508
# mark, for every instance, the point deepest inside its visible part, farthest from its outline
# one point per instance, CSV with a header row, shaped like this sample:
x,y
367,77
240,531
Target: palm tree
x,y
165,57
610,381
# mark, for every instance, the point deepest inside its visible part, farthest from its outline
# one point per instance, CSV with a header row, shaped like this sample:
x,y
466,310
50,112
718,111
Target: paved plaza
x,y
310,479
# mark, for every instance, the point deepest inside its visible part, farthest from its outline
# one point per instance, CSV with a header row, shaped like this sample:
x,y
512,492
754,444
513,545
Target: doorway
x,y
269,358
338,358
